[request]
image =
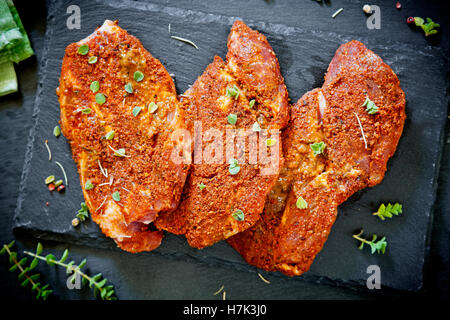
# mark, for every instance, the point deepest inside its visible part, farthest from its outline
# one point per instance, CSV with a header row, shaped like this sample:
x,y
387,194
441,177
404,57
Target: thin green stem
x,y
22,270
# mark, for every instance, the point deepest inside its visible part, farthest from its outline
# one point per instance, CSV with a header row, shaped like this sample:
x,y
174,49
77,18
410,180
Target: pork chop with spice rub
x,y
339,141
242,102
120,113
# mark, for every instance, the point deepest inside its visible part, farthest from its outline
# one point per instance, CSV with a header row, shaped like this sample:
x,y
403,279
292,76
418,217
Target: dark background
x,y
156,277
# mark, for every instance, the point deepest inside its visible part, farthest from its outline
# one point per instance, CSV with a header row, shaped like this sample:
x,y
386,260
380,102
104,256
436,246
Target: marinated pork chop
x,y
120,113
357,148
218,202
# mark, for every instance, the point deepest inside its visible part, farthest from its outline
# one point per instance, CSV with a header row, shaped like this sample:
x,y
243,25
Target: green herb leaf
x,y
100,98
136,111
256,127
301,203
371,107
88,186
271,142
49,179
56,131
375,246
116,196
110,135
92,60
86,111
95,86
152,107
50,259
129,87
234,167
58,183
238,215
233,92
388,211
39,248
317,147
138,76
64,256
83,49
251,103
201,186
83,213
232,118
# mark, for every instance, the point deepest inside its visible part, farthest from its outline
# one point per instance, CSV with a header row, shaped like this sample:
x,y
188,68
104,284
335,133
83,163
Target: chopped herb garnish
x,y
95,86
83,49
238,215
56,131
252,103
83,213
136,111
110,135
49,179
92,60
119,153
337,12
88,185
63,171
86,110
375,246
429,27
233,92
317,147
271,142
100,98
361,128
388,211
58,183
301,203
371,107
234,167
116,196
138,76
232,118
201,186
256,127
129,87
152,107
48,150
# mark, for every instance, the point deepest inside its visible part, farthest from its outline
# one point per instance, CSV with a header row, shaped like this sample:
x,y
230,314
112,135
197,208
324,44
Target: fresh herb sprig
x,y
97,282
375,246
25,276
388,211
429,27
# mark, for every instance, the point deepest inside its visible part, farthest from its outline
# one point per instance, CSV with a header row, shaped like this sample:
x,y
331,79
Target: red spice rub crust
x,y
205,215
287,238
146,178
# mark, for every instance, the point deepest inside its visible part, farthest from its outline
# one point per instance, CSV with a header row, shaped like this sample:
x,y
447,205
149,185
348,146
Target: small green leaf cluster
x,y
83,213
388,211
375,246
428,27
25,276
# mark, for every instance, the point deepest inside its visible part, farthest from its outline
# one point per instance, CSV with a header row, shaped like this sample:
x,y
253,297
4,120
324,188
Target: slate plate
x,y
304,55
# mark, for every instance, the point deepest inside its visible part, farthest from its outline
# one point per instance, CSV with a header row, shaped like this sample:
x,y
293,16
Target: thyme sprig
x,y
375,246
388,211
96,282
26,278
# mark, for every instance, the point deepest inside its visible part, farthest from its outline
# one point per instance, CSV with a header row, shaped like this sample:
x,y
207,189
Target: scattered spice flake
x,y
104,200
398,5
224,295
362,131
185,40
63,171
48,149
75,222
218,291
103,171
263,279
46,203
337,12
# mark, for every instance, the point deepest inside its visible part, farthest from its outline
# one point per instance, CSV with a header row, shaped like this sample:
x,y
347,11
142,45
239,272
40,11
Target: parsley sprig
x,y
25,276
97,282
375,246
388,211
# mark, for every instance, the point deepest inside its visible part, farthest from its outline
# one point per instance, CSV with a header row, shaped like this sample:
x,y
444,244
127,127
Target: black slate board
x,y
304,54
